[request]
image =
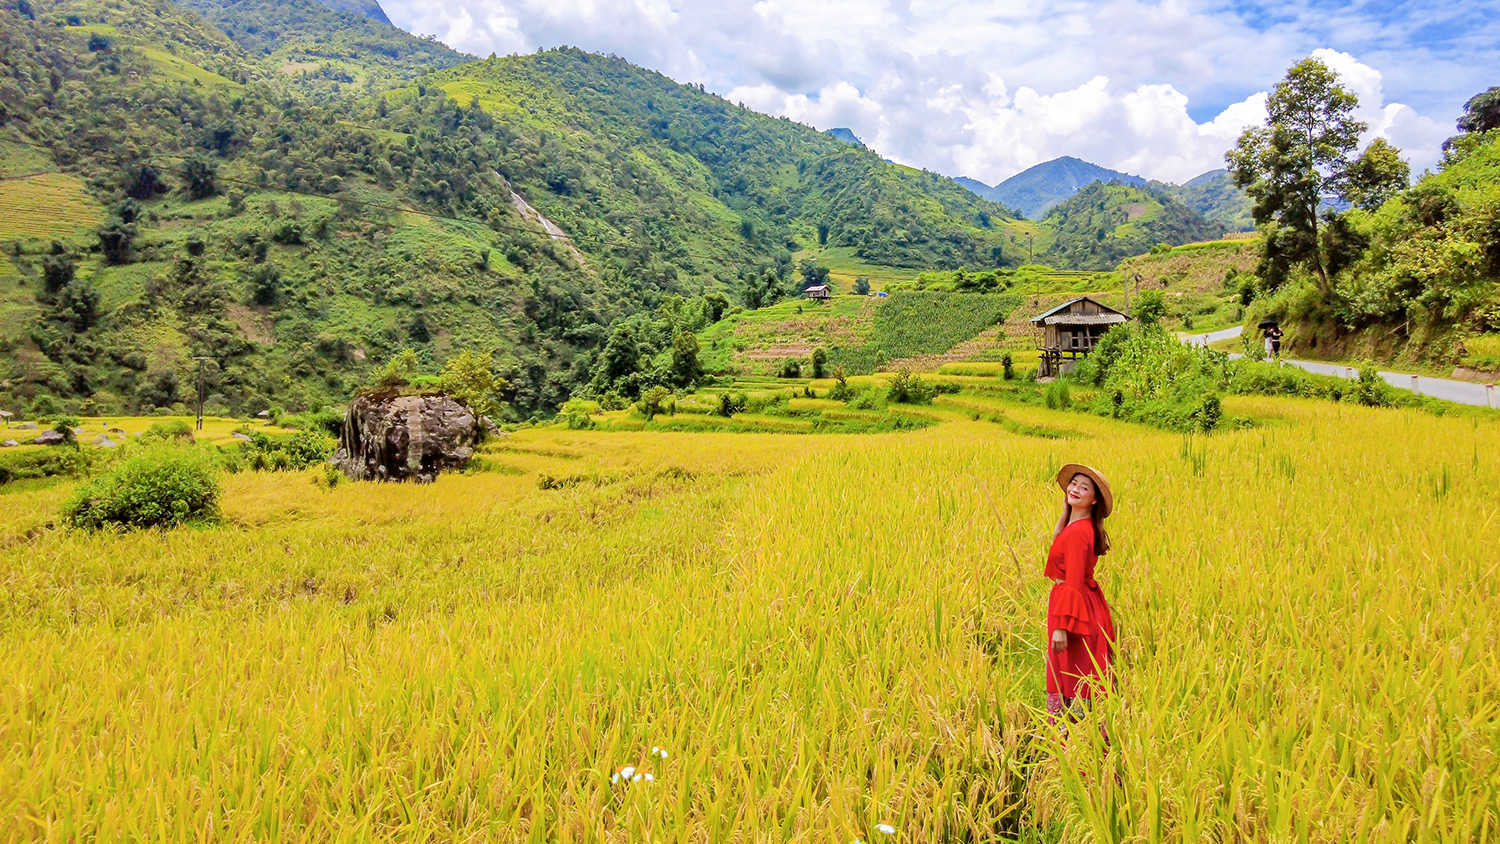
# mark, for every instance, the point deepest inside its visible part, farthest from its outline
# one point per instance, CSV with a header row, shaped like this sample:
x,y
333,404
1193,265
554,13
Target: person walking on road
x,y
1081,633
1272,334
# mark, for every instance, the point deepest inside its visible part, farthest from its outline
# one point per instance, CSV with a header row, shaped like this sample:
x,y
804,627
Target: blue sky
x,y
985,89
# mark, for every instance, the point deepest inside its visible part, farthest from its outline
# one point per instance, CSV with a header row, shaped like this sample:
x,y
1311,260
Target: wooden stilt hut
x,y
1070,331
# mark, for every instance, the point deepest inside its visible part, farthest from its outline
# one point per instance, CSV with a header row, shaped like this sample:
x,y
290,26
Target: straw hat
x,y
1065,476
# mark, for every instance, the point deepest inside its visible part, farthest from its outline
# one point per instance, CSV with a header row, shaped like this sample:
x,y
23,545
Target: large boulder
x,y
398,438
49,438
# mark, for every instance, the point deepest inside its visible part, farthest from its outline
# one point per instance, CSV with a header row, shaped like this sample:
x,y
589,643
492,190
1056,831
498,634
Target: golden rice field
x,y
49,205
824,634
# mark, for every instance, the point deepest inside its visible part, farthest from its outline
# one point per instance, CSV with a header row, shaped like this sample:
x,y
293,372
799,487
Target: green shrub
x,y
158,486
790,368
654,401
840,390
730,405
578,414
907,388
43,463
298,451
171,429
1009,365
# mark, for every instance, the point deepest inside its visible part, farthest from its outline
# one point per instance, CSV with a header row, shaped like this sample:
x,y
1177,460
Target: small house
x,y
817,291
1072,329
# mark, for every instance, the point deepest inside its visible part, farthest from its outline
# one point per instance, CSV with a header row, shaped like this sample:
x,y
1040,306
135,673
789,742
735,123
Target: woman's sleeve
x,y
1068,609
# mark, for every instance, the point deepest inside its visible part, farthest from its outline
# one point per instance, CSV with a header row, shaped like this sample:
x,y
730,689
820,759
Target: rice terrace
x,y
401,445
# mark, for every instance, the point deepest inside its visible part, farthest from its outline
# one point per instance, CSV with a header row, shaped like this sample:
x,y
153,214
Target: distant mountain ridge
x,y
368,8
846,135
1035,190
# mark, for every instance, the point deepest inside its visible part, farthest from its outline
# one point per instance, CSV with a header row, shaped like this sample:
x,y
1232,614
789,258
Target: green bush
x,y
43,463
654,401
298,451
172,429
158,486
578,414
907,388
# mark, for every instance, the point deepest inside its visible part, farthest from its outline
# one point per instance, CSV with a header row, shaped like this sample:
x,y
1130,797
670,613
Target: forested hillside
x,y
1105,223
171,195
326,46
1416,278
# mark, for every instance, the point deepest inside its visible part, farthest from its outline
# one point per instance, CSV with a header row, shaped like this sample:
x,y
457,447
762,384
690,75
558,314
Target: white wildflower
x,y
885,828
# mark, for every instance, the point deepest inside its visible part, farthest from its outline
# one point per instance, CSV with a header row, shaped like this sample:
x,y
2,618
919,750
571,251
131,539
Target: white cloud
x,y
986,89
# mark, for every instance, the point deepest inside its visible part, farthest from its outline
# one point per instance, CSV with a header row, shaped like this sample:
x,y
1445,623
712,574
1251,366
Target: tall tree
x,y
1303,154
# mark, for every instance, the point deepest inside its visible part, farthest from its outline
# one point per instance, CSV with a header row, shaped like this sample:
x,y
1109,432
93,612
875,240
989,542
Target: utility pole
x,y
200,359
1029,238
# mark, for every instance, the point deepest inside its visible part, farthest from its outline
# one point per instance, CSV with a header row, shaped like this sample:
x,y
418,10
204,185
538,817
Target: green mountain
x,y
328,45
1105,223
174,192
1034,191
1214,195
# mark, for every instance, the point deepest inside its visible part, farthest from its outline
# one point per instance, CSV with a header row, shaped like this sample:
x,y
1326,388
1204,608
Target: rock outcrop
x,y
398,438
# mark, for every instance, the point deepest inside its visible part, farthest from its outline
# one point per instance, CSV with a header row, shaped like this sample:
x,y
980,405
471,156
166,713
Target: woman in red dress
x,y
1081,633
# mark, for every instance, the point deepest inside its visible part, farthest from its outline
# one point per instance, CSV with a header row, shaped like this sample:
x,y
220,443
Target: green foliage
x,y
1058,396
1429,256
1009,365
920,322
169,430
686,369
399,370
44,463
729,405
1106,222
819,362
841,391
470,378
158,486
299,451
200,177
909,388
655,400
1302,154
1146,375
578,414
790,368
1150,307
861,286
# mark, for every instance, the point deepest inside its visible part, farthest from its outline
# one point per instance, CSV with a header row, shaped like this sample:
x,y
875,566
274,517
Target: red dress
x,y
1077,606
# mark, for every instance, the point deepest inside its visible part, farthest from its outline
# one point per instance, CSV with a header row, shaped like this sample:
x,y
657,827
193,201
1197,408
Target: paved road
x,y
1462,392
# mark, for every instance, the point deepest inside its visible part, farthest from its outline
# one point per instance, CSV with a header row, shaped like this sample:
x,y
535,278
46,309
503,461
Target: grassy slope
x,y
1103,224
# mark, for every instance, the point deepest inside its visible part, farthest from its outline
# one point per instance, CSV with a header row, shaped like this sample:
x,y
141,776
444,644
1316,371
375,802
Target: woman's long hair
x,y
1101,536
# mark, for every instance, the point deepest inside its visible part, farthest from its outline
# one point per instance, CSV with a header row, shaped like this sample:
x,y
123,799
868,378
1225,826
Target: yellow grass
x,y
825,633
45,206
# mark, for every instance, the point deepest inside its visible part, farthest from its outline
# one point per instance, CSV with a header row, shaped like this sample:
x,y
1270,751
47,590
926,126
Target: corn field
x,y
716,637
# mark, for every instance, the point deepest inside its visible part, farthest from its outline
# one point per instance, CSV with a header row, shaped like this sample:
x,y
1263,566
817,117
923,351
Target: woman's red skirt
x,y
1080,670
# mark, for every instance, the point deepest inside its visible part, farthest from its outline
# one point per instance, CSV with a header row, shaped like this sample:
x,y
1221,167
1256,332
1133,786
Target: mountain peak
x,y
845,134
368,8
1035,190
